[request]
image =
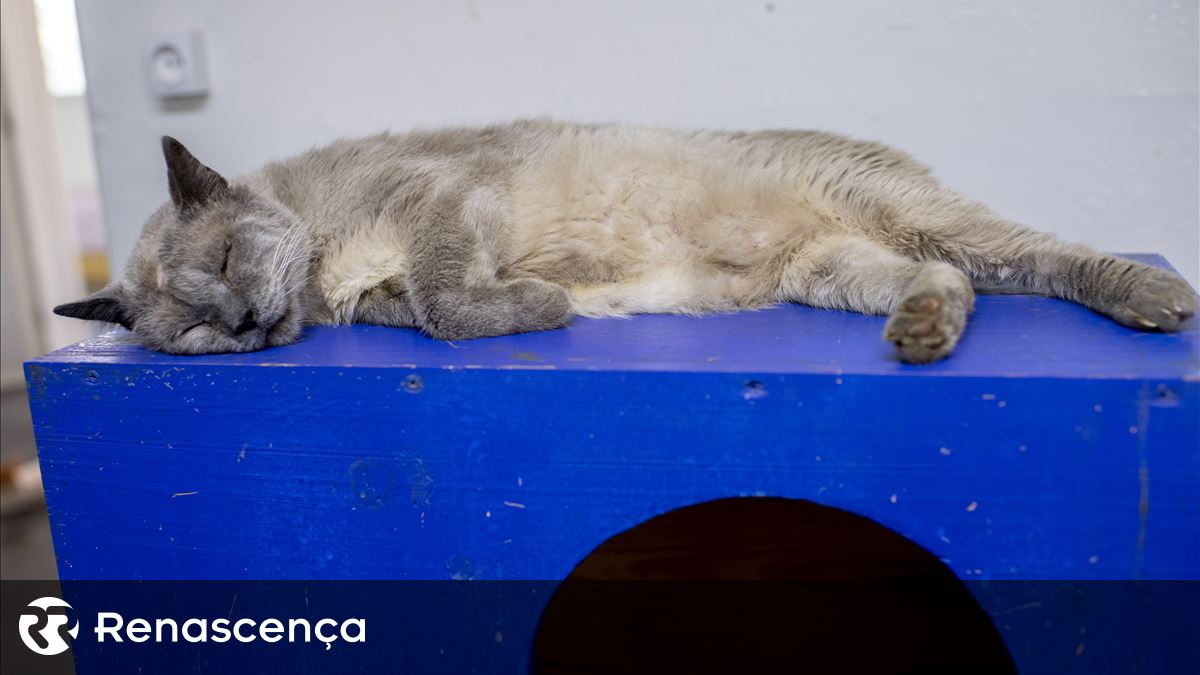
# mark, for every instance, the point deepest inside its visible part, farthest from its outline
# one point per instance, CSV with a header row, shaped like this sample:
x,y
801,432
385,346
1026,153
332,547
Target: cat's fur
x,y
467,233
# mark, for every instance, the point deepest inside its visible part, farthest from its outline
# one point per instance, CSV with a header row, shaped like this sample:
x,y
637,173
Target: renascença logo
x,y
45,632
47,626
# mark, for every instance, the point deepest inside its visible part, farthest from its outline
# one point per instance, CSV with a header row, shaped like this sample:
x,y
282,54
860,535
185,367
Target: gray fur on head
x,y
220,268
467,233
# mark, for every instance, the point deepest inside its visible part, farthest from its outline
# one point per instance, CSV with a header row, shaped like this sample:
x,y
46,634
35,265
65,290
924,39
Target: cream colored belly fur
x,y
629,221
637,221
374,254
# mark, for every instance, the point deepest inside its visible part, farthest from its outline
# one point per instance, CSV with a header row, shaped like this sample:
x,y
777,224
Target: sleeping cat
x,y
467,233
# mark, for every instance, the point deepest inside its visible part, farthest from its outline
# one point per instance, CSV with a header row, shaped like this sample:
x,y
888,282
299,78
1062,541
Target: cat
x,y
474,232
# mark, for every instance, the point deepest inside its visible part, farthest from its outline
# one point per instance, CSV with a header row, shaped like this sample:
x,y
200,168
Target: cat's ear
x,y
192,184
108,304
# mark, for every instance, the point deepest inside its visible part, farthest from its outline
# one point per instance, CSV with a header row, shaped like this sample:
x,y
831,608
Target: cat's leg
x,y
932,313
451,312
928,301
932,223
451,284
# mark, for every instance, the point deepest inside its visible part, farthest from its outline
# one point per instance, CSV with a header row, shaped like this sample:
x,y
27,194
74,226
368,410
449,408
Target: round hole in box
x,y
751,585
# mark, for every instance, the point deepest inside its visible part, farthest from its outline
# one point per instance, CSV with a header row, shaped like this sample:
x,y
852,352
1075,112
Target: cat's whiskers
x,y
298,283
275,253
289,239
282,251
296,252
295,256
283,278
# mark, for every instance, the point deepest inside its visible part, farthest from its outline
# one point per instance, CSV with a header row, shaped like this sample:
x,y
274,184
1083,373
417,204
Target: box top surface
x,y
1008,336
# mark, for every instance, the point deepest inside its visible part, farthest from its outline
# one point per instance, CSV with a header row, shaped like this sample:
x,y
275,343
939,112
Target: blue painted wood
x,y
1054,444
1008,336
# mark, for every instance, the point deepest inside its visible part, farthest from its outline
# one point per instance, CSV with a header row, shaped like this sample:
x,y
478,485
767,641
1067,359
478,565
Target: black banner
x,y
599,626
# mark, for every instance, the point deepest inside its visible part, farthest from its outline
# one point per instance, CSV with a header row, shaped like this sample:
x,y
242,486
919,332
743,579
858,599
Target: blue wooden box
x,y
1054,444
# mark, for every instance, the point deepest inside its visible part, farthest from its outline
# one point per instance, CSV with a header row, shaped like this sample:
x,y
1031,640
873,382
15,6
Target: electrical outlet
x,y
175,65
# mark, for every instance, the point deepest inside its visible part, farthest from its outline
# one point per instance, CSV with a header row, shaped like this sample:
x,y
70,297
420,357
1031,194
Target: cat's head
x,y
219,268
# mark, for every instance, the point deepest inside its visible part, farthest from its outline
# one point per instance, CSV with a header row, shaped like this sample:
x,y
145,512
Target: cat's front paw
x,y
543,305
1156,300
927,325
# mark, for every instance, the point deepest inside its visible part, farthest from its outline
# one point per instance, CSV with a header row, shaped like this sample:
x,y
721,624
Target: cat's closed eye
x,y
189,329
225,260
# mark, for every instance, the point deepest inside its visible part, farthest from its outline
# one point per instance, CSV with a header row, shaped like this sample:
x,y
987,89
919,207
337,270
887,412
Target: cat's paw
x,y
517,306
927,325
543,305
1157,300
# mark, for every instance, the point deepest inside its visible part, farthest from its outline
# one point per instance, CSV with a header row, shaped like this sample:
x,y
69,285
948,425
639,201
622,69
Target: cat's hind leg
x,y
929,302
932,314
932,223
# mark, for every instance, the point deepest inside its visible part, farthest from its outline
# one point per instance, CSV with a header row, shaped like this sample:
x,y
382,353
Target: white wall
x,y
40,251
1075,116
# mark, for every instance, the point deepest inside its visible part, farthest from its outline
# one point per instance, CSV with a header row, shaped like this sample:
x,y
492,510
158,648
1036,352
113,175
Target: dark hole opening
x,y
764,585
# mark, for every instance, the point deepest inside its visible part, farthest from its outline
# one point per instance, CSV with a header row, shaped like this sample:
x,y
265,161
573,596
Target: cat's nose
x,y
247,324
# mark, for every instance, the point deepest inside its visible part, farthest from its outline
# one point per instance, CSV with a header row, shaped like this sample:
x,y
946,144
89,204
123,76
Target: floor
x,y
26,551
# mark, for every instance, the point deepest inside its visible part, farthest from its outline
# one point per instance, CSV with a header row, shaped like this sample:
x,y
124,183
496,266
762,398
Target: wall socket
x,y
175,65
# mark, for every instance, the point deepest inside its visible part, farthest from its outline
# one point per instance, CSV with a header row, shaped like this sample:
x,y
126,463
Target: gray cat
x,y
467,233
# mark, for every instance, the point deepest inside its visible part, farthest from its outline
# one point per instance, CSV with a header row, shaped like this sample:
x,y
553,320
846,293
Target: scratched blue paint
x,y
1054,444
